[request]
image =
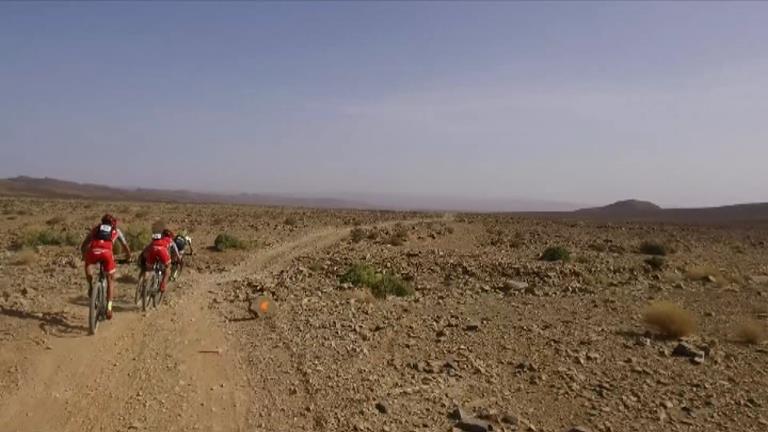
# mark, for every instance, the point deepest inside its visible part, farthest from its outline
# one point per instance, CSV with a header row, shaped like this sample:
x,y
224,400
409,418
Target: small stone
x,y
579,429
687,350
458,414
382,407
510,419
513,285
472,326
474,425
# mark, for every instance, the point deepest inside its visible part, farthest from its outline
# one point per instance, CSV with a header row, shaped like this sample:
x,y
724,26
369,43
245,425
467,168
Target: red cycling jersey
x,y
158,251
100,248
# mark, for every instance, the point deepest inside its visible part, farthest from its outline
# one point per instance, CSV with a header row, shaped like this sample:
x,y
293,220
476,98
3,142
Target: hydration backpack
x,y
104,232
181,242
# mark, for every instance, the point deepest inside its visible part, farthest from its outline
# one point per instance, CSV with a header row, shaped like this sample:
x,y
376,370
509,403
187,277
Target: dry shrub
x,y
56,220
751,332
357,235
702,272
141,214
669,319
653,248
24,257
361,296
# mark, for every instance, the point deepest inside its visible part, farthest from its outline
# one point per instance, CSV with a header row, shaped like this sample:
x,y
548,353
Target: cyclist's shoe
x,y
109,310
89,288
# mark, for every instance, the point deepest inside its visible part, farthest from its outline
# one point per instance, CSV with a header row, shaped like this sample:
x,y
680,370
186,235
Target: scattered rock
x,y
579,429
513,285
684,349
458,414
382,407
474,425
472,326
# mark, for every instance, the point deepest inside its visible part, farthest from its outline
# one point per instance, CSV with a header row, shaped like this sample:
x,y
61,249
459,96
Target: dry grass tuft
x,y
669,319
702,272
56,220
751,332
24,257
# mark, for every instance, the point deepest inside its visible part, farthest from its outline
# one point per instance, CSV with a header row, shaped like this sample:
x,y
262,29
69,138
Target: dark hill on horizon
x,y
23,186
636,210
625,207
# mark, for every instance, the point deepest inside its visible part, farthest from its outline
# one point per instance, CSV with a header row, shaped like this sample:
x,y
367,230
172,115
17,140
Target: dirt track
x,y
489,327
176,368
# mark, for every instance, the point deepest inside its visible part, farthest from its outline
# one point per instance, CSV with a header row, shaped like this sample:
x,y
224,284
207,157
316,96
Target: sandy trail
x,y
176,368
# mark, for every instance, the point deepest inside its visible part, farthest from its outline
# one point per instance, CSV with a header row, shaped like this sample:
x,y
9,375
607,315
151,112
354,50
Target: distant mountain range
x,y
54,188
629,210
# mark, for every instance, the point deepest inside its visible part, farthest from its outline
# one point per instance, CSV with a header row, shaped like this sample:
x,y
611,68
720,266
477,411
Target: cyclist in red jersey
x,y
161,249
97,248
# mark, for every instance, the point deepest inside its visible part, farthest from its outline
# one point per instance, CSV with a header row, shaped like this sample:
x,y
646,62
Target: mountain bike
x,y
176,267
150,287
97,310
97,304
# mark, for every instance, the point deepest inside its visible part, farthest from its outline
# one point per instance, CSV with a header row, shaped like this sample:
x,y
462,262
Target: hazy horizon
x,y
578,103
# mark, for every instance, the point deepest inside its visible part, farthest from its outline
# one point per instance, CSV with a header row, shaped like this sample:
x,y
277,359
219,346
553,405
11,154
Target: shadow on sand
x,y
54,323
117,305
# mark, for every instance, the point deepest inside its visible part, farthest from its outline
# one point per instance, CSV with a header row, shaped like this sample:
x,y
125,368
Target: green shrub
x,y
653,248
360,275
357,235
655,262
291,221
381,284
47,237
137,238
556,253
391,285
226,241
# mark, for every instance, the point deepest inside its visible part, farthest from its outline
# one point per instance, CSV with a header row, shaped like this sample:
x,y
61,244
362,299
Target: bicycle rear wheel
x,y
93,309
137,294
176,270
145,292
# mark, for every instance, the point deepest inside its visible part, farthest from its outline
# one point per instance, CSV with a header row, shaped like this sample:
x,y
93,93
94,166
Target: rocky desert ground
x,y
388,321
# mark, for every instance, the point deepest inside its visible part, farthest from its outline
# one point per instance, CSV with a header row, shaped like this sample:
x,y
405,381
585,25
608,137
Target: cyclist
x,y
183,240
184,245
161,249
97,248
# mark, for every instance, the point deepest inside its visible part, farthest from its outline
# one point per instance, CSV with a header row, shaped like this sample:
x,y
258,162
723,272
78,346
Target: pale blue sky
x,y
570,101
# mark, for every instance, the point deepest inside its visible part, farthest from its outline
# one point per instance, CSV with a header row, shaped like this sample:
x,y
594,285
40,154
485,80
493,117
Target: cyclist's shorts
x,y
98,255
158,254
